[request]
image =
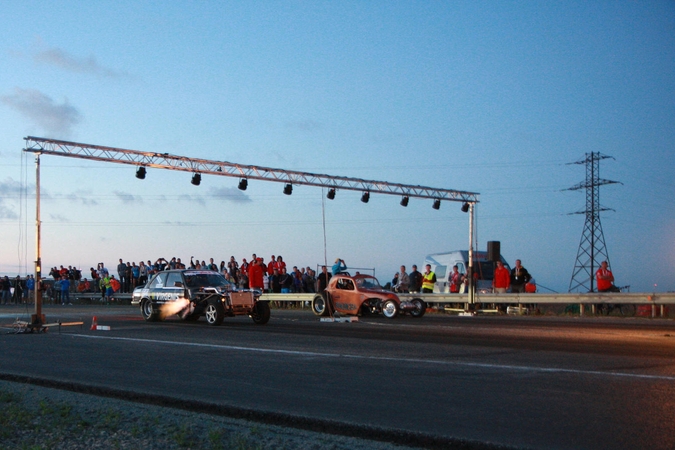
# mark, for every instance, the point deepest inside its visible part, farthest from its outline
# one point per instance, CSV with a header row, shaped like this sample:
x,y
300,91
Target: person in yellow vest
x,y
428,280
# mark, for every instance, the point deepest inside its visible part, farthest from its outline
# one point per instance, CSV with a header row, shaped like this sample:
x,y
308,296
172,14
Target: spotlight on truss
x,y
288,189
243,184
140,173
405,200
196,179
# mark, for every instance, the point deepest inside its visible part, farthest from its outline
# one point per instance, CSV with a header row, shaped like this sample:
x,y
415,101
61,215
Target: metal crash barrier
x,y
657,301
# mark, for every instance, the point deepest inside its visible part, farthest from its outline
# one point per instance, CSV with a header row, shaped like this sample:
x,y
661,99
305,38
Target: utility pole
x,y
592,250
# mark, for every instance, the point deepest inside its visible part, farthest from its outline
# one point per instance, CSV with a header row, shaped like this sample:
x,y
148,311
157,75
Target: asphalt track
x,y
439,381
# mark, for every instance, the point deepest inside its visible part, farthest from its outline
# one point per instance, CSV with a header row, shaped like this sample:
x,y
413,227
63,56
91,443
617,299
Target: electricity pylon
x,y
592,249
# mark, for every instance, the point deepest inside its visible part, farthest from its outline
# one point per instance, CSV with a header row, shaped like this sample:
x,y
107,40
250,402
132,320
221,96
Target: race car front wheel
x,y
389,309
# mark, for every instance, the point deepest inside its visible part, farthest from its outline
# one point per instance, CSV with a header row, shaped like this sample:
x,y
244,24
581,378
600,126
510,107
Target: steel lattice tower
x,y
592,250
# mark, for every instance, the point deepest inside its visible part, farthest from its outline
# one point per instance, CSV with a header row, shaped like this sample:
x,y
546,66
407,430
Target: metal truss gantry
x,y
227,169
40,146
592,249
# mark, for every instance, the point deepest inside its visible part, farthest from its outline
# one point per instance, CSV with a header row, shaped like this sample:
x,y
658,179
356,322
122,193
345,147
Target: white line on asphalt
x,y
386,358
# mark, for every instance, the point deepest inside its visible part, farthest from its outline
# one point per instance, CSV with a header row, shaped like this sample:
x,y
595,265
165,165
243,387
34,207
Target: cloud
x,y
59,218
229,194
78,197
55,119
9,189
128,198
59,58
192,199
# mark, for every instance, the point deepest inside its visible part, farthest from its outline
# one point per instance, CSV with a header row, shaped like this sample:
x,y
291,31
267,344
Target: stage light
x,y
437,204
243,184
288,189
465,207
405,200
331,194
365,197
196,179
140,173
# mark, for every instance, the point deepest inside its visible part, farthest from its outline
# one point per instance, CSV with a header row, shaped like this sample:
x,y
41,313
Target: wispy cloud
x,y
59,58
9,189
54,118
59,218
229,194
81,197
127,198
192,199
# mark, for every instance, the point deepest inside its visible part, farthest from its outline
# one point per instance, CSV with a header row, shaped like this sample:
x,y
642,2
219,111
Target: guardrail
x,y
657,300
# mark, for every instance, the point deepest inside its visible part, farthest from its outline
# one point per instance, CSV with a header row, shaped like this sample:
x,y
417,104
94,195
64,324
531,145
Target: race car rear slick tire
x,y
389,309
420,307
215,313
147,311
261,313
319,305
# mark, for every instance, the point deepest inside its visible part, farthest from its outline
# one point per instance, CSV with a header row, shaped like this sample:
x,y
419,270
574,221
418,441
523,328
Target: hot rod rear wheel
x,y
420,307
215,313
261,313
148,312
389,309
319,305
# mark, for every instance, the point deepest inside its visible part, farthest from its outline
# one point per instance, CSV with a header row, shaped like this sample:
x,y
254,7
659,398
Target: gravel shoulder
x,y
36,417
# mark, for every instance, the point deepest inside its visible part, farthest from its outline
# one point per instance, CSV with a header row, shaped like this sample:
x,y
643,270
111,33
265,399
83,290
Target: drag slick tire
x,y
261,313
389,309
320,305
215,313
148,312
420,307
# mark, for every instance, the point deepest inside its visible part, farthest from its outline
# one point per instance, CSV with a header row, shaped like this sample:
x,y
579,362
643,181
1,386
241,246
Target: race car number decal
x,y
347,306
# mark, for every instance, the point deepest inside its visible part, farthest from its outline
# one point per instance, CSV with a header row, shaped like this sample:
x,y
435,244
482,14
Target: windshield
x,y
205,279
368,283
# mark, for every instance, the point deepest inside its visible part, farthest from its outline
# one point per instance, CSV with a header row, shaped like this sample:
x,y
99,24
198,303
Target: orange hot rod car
x,y
362,295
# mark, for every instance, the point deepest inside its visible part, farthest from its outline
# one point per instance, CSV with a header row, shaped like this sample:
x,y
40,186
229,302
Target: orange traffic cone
x,y
94,324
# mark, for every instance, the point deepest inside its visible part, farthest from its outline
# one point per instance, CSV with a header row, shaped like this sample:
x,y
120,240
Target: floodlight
x,y
243,184
331,194
365,197
140,173
288,189
465,207
437,204
405,200
196,179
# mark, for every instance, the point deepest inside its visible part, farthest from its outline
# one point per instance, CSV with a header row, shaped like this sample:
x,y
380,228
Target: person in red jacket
x,y
502,279
605,279
255,275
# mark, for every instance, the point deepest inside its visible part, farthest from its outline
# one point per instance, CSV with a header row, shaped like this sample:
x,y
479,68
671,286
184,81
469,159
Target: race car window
x,y
172,279
345,284
158,282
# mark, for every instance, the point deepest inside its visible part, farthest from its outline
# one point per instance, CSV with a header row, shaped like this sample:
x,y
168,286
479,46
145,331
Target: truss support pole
x,y
38,319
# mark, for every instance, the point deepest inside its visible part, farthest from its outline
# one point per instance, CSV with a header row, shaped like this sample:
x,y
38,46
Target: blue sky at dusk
x,y
490,97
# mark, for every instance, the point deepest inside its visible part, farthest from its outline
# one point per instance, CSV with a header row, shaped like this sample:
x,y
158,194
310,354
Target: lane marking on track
x,y
387,358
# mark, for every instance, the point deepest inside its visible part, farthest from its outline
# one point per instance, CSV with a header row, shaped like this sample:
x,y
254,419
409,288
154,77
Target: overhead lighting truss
x,y
227,169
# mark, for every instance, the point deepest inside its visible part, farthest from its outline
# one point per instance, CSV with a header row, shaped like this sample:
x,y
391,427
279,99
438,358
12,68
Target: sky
x,y
494,97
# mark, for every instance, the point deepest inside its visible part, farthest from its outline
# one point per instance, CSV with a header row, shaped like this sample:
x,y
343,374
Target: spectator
x,y
17,296
605,279
428,280
519,277
403,284
274,281
84,286
255,275
502,279
415,279
65,291
339,267
455,279
322,280
6,290
286,281
121,271
30,288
